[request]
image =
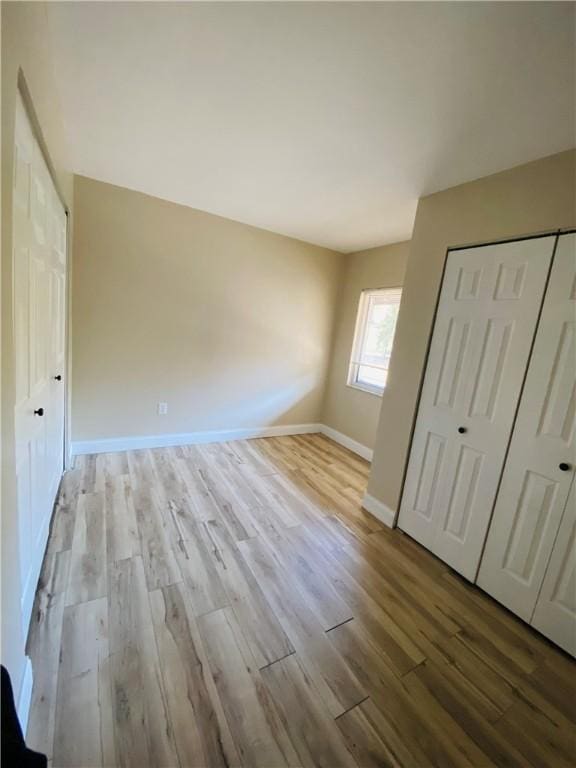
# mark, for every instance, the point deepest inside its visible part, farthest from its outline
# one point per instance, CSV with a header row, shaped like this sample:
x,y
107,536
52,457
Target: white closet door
x,y
540,465
39,235
555,612
487,314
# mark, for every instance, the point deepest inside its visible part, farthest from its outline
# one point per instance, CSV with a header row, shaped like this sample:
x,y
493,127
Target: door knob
x,y
58,378
564,467
462,430
39,412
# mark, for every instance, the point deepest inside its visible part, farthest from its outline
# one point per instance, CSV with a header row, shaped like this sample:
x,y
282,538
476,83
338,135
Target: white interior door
x,y
555,612
487,314
39,255
540,465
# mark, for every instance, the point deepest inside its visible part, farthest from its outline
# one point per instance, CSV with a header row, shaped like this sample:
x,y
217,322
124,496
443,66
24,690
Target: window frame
x,y
359,337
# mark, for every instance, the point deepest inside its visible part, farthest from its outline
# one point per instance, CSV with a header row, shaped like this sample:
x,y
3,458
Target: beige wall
x,y
530,198
24,47
351,411
228,324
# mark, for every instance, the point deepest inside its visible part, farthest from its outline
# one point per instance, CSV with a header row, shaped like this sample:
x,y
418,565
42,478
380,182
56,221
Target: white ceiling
x,y
323,121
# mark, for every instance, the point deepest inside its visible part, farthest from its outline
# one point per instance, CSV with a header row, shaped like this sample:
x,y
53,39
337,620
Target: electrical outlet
x,y
162,409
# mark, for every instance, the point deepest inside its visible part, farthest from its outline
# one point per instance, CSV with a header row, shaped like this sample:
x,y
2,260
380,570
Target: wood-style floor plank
x,y
205,591
391,697
396,640
64,515
337,684
87,575
233,605
142,724
231,508
375,741
202,505
79,704
292,505
541,740
323,599
313,732
122,538
201,732
252,462
158,557
262,630
43,648
251,713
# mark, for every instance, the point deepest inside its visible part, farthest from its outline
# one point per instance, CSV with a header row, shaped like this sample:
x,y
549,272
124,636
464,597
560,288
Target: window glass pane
x,y
379,335
374,377
377,315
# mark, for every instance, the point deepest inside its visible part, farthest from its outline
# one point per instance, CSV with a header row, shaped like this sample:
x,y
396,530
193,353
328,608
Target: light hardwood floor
x,y
232,605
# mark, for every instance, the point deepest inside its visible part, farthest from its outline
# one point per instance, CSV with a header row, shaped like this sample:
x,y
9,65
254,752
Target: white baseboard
x,y
113,444
379,510
25,696
347,442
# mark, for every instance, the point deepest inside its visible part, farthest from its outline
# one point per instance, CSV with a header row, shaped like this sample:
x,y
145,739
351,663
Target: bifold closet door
x,y
485,324
39,259
540,465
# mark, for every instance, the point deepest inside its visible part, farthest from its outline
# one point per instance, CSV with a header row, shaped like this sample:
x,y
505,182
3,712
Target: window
x,y
373,339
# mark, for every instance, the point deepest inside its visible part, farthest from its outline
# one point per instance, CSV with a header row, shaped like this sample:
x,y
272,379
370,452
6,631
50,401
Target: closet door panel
x,y
487,314
555,612
539,469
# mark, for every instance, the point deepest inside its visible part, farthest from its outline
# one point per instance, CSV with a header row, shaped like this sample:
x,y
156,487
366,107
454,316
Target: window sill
x,y
366,388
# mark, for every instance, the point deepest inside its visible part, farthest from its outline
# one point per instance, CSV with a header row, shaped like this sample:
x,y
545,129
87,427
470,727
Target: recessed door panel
x,y
555,611
564,592
22,160
557,415
540,464
38,314
488,376
39,206
468,283
58,230
451,369
465,492
530,518
485,325
430,472
21,323
25,509
510,281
